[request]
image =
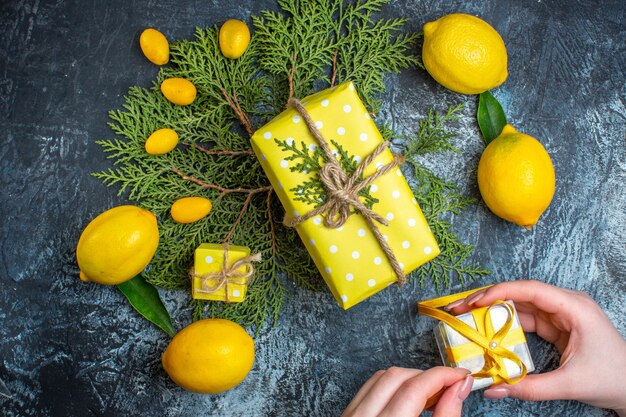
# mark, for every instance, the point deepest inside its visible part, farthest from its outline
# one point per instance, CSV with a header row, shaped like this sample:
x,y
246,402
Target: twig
x,y
246,203
234,105
271,220
293,70
333,74
219,152
223,191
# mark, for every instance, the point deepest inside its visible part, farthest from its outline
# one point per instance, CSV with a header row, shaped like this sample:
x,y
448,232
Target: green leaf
x,y
145,299
491,118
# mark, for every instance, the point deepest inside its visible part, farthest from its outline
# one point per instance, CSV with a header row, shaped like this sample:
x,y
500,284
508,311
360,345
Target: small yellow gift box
x,y
208,284
488,341
349,257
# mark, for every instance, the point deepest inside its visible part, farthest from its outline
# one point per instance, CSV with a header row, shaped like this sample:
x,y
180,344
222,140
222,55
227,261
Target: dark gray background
x,y
73,349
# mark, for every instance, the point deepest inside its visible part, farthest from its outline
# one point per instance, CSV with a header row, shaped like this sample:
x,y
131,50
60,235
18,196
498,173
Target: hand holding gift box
x,y
488,341
359,248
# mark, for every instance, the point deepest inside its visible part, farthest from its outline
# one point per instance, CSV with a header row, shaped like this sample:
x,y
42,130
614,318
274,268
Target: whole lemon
x,y
234,38
464,53
209,356
117,245
516,177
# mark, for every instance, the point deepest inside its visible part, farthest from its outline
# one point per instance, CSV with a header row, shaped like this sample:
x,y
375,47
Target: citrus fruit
x,y
516,177
179,91
234,38
190,209
209,356
161,141
154,46
464,54
117,245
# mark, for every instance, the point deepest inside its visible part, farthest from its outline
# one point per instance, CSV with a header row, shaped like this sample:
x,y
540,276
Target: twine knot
x,y
229,274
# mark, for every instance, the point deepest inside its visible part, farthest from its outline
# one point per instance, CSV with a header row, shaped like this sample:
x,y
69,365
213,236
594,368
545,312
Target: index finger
x,y
545,297
415,392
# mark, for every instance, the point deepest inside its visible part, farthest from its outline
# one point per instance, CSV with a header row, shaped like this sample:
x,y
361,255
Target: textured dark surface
x,y
71,349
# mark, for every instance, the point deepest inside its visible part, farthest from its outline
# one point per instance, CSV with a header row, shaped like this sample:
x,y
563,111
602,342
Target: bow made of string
x,y
229,274
490,342
343,190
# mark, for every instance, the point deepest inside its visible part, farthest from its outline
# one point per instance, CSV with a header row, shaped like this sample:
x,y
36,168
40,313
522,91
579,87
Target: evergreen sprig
x,y
314,33
438,199
308,46
310,161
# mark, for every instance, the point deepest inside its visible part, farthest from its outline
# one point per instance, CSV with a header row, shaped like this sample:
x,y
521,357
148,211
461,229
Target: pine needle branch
x,y
440,199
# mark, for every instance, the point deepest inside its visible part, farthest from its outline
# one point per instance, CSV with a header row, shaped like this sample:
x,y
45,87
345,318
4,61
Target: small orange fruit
x,y
154,46
190,209
179,91
234,38
161,141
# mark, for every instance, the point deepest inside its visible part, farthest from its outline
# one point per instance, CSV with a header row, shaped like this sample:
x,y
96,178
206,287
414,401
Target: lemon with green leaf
x,y
516,177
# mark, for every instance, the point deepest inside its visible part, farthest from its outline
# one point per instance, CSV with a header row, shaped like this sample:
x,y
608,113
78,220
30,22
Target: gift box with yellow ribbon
x,y
364,230
489,341
222,272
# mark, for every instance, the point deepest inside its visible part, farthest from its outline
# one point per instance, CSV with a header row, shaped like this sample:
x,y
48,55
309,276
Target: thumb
x,y
451,402
553,385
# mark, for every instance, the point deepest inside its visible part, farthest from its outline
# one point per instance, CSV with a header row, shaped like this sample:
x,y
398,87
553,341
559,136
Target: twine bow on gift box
x,y
485,341
229,274
343,190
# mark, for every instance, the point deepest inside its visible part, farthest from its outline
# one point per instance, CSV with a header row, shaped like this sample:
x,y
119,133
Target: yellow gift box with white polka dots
x,y
349,258
209,258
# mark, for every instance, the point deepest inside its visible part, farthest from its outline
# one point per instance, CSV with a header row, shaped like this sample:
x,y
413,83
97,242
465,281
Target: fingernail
x,y
474,297
454,304
496,393
465,388
462,371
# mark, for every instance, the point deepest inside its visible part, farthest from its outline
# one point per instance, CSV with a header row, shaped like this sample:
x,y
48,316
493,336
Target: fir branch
x,y
312,191
339,37
440,199
223,191
219,152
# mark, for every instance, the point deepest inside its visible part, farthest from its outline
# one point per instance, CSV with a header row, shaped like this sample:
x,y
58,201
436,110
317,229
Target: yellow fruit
x,y
516,177
209,356
190,209
161,141
234,38
464,53
179,91
154,46
117,245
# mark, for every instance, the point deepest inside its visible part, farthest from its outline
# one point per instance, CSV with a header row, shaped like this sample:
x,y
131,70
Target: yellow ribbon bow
x,y
490,344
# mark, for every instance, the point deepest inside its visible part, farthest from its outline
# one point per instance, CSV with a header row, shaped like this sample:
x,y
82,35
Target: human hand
x,y
593,353
401,392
